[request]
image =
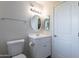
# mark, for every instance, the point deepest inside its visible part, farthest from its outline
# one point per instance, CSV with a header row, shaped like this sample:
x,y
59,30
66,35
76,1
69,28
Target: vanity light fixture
x,y
34,9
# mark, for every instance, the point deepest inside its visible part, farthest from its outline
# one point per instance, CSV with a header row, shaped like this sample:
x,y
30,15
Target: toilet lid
x,y
19,56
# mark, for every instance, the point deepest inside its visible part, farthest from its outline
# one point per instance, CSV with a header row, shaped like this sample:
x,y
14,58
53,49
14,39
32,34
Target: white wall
x,y
13,28
9,29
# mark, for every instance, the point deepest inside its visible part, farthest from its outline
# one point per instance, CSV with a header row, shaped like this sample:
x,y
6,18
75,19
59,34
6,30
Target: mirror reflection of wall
x,y
47,23
36,22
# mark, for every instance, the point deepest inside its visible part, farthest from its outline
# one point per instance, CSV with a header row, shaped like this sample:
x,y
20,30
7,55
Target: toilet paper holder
x,y
31,44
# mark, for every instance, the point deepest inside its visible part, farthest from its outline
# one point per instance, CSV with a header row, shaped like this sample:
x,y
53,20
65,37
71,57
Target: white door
x,y
75,29
62,40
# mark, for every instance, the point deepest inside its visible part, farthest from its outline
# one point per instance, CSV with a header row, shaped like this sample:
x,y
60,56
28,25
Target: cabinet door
x,y
41,48
62,44
75,29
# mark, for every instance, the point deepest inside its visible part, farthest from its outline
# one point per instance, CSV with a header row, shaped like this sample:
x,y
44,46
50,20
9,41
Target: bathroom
x,y
18,21
39,29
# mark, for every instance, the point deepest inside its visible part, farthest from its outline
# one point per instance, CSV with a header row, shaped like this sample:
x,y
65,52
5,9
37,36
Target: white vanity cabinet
x,y
40,46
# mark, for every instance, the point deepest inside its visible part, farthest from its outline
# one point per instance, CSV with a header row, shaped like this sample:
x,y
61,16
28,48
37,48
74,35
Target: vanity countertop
x,y
38,35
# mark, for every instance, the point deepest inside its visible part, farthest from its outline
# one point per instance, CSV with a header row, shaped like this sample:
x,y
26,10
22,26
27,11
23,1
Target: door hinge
x,y
78,3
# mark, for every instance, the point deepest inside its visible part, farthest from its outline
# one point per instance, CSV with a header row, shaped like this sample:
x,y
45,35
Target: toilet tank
x,y
15,47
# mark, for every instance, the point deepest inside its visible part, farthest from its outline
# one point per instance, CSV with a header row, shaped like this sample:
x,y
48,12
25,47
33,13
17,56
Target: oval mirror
x,y
47,23
36,22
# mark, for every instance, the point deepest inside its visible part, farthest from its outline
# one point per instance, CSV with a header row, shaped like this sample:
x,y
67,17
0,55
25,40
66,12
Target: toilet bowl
x,y
19,56
15,48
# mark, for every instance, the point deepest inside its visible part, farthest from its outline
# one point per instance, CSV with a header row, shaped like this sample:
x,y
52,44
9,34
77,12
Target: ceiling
x,y
48,3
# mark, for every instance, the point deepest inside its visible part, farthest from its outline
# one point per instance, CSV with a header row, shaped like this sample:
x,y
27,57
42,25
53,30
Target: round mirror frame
x,y
47,23
36,26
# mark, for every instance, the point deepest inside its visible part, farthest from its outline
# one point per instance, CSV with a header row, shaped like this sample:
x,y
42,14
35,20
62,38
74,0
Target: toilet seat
x,y
19,56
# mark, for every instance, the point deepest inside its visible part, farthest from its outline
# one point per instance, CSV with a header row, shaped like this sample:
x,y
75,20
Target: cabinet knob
x,y
44,45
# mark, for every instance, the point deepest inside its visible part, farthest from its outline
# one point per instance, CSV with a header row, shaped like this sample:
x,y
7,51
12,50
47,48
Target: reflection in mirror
x,y
36,22
47,23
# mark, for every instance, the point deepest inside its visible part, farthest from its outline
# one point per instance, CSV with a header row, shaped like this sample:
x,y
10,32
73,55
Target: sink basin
x,y
38,35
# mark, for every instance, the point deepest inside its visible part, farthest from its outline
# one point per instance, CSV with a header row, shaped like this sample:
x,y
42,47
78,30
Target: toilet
x,y
15,48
